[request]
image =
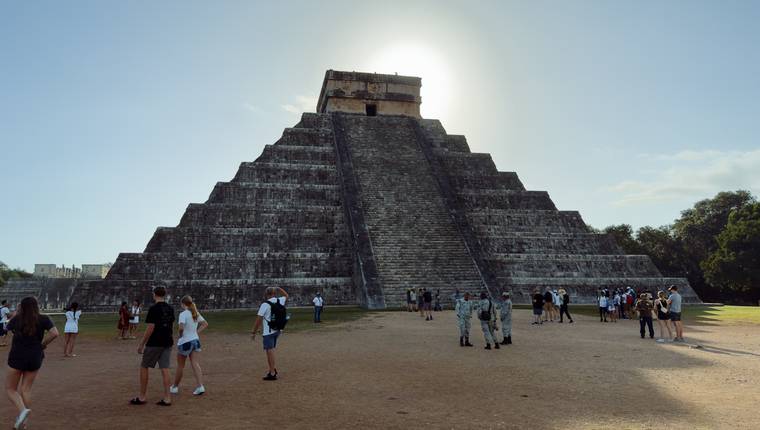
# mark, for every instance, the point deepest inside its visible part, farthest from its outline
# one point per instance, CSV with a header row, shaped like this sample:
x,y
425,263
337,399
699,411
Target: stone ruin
x,y
363,200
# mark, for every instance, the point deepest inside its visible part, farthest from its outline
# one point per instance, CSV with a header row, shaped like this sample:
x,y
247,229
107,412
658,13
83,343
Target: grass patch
x,y
103,325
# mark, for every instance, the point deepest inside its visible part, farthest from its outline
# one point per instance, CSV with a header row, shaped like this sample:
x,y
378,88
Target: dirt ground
x,y
394,370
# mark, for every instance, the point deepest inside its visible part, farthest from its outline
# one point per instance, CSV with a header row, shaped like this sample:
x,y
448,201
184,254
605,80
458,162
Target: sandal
x,y
163,403
137,401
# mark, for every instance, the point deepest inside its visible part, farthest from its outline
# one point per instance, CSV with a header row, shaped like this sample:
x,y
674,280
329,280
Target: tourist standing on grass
x,y
156,346
26,355
505,314
661,305
319,304
487,317
563,307
5,313
674,312
134,319
413,300
463,310
123,325
427,302
538,306
644,307
71,329
191,324
603,303
272,318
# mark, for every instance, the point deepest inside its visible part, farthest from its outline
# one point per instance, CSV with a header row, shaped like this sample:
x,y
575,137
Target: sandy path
x,y
393,370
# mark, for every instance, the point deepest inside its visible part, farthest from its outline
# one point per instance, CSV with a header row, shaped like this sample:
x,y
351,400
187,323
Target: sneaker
x,y
199,391
270,377
174,389
21,419
660,340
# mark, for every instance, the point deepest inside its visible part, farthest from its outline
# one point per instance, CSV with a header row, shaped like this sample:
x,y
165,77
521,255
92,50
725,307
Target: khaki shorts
x,y
157,355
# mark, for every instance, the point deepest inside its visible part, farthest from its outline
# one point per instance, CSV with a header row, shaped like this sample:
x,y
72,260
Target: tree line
x,y
715,245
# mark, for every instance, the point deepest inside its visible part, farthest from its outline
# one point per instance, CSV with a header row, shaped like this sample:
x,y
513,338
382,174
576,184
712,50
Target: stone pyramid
x,y
363,200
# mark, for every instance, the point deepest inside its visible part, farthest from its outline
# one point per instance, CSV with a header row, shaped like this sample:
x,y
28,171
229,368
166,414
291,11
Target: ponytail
x,y
188,301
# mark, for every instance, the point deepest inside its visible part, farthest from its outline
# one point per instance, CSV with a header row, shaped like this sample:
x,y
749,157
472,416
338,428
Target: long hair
x,y
74,307
188,301
29,313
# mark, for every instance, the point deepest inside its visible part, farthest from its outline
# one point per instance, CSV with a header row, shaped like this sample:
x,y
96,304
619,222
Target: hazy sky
x,y
115,115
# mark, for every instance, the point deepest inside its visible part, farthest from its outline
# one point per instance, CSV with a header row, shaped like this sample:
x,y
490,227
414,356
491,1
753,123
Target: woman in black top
x,y
26,355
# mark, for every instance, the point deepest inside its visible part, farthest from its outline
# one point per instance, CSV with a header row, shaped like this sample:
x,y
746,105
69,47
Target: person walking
x,y
191,324
563,307
32,333
487,317
505,315
413,300
674,312
463,310
319,304
134,319
661,305
123,324
156,346
644,308
427,303
71,329
271,318
538,306
5,313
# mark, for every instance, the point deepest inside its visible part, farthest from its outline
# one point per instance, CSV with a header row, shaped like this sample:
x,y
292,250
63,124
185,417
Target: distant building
x,y
88,271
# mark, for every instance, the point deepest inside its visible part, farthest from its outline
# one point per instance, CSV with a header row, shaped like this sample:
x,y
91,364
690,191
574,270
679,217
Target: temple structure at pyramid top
x,y
361,201
370,94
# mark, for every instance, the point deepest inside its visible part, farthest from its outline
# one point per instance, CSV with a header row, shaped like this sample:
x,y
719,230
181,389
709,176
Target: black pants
x,y
563,311
602,314
646,321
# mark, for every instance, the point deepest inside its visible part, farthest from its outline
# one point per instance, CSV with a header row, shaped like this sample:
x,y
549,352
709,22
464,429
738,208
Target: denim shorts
x,y
190,347
270,341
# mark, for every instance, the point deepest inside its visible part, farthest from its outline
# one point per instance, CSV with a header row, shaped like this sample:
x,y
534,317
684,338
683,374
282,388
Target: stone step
x,y
572,266
287,173
588,243
296,154
502,180
505,199
225,192
225,215
300,136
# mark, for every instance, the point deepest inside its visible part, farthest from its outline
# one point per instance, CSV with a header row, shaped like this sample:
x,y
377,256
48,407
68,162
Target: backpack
x,y
278,317
486,315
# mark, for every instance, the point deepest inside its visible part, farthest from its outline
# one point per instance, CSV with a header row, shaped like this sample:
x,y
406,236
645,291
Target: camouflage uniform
x,y
505,314
464,314
489,327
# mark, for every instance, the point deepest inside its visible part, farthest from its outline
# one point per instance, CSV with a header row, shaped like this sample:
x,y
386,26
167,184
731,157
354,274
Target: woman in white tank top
x,y
71,330
134,318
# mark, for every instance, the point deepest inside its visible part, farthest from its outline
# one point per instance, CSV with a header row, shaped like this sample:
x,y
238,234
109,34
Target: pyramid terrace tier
x,y
249,265
298,154
107,295
505,199
499,221
263,193
531,243
572,265
277,216
286,173
248,239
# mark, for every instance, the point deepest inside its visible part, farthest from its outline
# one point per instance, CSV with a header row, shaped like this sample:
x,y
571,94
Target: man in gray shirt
x,y
674,314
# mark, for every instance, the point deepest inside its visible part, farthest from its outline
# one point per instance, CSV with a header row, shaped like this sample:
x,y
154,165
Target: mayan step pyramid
x,y
363,200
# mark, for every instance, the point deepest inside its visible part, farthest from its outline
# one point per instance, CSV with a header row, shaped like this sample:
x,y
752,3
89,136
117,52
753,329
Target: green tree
x,y
623,235
663,248
735,264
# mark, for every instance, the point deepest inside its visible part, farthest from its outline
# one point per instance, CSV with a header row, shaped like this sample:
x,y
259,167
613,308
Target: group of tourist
x,y
666,309
422,301
617,304
551,305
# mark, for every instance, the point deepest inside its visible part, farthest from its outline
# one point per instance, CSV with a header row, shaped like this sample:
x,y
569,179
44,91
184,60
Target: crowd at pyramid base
x,y
361,202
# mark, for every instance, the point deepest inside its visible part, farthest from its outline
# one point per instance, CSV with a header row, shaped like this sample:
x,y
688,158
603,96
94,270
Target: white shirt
x,y
265,312
189,326
318,301
135,315
72,322
4,312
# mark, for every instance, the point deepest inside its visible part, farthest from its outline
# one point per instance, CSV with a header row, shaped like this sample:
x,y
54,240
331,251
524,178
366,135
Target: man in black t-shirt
x,y
538,306
156,346
427,301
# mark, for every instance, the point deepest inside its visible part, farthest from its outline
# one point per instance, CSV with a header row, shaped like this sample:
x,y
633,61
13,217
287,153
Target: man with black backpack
x,y
272,316
487,317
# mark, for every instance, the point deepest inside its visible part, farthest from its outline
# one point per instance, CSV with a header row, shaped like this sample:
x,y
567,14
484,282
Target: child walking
x,y
191,323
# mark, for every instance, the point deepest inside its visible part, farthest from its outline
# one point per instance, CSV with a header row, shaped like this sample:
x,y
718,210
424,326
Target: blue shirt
x,y
675,302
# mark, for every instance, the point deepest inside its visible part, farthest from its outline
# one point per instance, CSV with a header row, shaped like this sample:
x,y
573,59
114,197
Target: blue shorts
x,y
674,316
188,348
537,311
270,341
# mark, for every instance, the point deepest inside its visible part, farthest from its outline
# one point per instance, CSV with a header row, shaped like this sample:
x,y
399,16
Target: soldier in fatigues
x,y
463,310
505,314
487,317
